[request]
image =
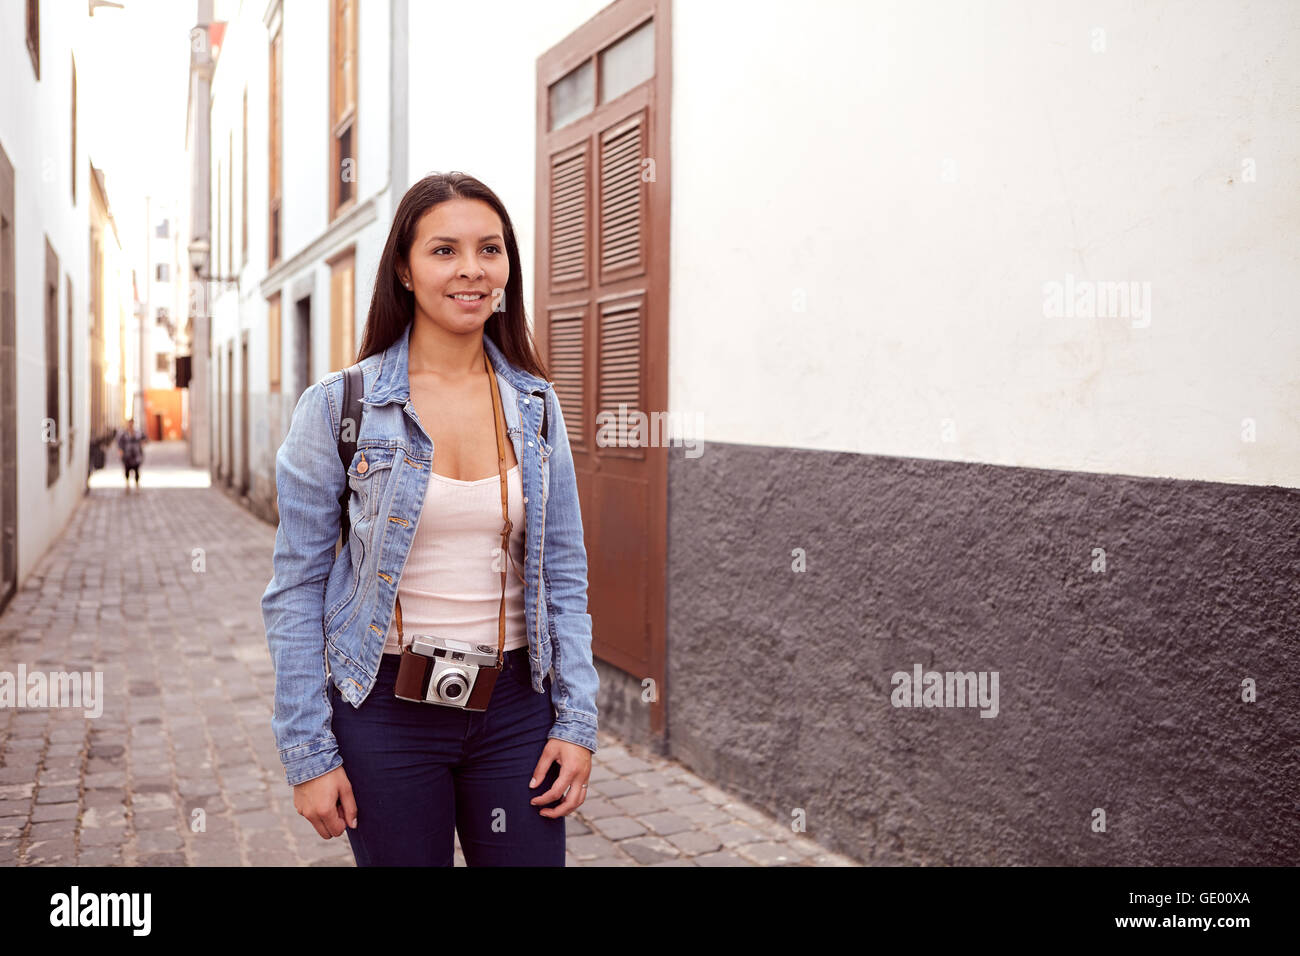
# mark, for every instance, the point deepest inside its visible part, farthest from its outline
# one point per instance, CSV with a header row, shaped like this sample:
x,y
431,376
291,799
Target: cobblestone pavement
x,y
159,589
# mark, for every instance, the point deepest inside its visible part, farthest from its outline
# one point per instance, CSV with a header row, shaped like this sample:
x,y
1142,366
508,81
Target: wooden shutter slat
x,y
569,219
620,356
622,203
565,343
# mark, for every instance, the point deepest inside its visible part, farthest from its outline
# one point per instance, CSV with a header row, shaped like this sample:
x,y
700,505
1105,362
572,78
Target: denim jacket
x,y
321,610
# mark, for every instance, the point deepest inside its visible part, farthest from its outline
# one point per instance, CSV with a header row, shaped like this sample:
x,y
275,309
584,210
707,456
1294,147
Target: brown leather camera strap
x,y
507,525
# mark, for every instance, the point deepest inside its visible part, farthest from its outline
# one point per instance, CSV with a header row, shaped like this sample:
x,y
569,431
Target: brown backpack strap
x,y
353,390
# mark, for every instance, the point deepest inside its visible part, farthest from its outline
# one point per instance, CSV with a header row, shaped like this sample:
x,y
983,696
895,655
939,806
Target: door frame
x,y
8,390
245,424
607,26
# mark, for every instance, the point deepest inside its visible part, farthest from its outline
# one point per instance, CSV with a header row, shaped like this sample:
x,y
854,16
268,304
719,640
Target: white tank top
x,y
451,586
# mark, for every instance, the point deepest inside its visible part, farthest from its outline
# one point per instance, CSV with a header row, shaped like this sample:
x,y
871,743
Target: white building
x,y
169,291
292,315
112,316
45,232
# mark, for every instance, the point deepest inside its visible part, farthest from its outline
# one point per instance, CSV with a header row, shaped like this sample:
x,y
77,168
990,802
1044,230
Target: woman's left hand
x,y
575,768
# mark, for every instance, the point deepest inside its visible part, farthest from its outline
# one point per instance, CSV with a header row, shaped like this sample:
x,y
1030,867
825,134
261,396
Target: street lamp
x,y
199,250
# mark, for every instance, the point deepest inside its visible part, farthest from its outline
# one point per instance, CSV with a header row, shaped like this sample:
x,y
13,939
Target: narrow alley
x,y
159,589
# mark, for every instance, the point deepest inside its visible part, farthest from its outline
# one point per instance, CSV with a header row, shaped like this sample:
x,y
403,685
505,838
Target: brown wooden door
x,y
602,308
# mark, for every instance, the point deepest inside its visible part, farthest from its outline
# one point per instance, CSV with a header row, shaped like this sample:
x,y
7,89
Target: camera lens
x,y
451,685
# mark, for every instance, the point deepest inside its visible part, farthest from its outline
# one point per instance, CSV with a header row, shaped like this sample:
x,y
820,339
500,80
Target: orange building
x,y
164,418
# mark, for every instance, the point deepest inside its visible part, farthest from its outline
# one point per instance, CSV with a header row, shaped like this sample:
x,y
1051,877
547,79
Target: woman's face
x,y
459,246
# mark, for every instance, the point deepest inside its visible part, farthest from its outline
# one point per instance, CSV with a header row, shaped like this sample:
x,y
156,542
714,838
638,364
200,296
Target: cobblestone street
x,y
159,589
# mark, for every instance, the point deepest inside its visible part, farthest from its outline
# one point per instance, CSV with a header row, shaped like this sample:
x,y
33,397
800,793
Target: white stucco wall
x,y
35,131
912,174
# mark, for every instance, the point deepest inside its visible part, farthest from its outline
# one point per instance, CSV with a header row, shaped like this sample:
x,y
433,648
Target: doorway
x,y
301,346
8,390
602,308
230,415
243,415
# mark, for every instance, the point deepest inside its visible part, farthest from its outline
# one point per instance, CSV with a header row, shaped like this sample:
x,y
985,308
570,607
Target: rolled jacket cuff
x,y
308,761
575,730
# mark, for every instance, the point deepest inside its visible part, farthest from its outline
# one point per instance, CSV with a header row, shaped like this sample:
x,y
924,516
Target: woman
x,y
424,556
129,440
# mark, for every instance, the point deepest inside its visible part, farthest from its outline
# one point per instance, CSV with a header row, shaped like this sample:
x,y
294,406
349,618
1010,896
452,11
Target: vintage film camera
x,y
439,670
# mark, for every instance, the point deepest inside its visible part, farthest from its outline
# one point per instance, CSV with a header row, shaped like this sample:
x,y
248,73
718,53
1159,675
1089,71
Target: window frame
x,y
274,341
230,202
74,130
275,156
34,35
243,180
343,120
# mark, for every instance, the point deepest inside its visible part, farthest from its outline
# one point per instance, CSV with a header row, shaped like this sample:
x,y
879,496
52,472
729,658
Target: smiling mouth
x,y
467,298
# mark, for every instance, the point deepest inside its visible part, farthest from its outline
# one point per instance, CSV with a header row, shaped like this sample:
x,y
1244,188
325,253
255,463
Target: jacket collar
x,y
393,383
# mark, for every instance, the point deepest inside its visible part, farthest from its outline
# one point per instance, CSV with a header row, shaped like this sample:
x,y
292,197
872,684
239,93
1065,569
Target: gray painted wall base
x,y
1119,690
622,711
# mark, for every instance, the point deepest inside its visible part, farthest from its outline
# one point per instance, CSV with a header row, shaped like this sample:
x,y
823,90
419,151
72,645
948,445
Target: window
x,y
573,96
343,346
243,184
273,342
343,104
162,272
217,269
163,230
230,203
163,362
74,132
34,35
627,62
273,160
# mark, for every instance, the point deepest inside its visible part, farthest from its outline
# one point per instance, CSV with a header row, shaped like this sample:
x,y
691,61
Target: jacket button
x,y
525,401
530,444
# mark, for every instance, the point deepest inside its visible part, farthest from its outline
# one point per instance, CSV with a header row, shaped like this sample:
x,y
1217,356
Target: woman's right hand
x,y
327,803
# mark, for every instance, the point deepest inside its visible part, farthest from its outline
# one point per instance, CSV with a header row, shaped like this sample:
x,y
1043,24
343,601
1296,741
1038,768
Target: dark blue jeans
x,y
419,770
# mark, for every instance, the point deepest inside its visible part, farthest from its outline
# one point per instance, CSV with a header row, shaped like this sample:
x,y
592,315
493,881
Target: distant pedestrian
x,y
129,440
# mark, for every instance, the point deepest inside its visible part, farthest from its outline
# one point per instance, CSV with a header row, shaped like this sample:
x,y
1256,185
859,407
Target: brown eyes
x,y
448,248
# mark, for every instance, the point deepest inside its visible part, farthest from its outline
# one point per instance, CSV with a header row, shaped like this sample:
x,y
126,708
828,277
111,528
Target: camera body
x,y
439,670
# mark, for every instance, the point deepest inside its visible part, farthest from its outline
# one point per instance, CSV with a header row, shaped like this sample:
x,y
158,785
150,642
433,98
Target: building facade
x,y
112,307
288,238
167,305
45,247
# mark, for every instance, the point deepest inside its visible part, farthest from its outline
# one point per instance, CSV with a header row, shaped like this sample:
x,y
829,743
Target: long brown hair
x,y
392,306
